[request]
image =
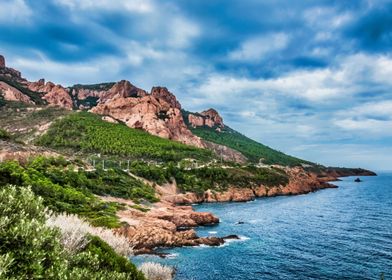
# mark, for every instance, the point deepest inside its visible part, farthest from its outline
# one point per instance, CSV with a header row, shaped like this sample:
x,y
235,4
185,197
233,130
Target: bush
x,y
70,191
156,271
75,231
4,135
34,248
29,249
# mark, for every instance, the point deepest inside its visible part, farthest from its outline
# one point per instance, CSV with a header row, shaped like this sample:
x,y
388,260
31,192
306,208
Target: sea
x,y
343,233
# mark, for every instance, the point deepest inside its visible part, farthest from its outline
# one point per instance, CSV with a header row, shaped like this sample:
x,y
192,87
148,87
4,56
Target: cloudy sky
x,y
310,78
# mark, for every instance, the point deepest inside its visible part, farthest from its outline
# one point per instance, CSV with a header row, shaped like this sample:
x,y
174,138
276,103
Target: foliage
x,y
253,150
31,250
210,177
109,259
61,191
88,133
101,86
2,101
34,248
4,135
156,271
75,232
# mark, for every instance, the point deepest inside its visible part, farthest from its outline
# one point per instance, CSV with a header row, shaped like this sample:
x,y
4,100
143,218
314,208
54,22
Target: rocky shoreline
x,y
172,222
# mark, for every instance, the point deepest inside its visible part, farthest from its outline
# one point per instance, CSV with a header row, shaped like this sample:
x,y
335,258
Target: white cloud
x,y
372,119
181,32
326,18
92,71
256,48
136,6
14,12
353,75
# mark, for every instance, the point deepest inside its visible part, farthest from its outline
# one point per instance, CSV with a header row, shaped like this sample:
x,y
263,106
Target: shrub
x,y
156,271
4,134
29,249
75,231
33,248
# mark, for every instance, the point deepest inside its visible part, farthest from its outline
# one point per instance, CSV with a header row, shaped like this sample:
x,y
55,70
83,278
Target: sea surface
x,y
343,233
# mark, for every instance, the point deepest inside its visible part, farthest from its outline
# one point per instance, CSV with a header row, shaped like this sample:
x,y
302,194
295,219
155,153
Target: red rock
x,y
12,94
209,118
55,95
158,113
2,61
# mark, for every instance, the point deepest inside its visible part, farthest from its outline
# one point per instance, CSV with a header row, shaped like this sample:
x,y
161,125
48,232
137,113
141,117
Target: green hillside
x,y
253,150
87,133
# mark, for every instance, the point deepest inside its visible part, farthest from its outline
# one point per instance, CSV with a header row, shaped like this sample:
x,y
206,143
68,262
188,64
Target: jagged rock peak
x,y
213,115
125,89
2,61
165,94
210,118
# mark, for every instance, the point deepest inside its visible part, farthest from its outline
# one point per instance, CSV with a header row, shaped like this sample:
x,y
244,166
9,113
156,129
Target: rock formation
x,y
12,94
2,61
55,95
158,113
209,118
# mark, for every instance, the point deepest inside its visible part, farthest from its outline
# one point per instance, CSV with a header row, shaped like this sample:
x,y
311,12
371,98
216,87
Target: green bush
x,y
4,135
31,250
210,177
75,199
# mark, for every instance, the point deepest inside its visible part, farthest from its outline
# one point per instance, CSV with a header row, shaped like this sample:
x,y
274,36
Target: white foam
x,y
212,232
171,256
243,237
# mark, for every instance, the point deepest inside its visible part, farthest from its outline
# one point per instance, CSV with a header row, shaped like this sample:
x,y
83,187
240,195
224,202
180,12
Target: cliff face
x,y
2,61
12,94
55,95
158,113
300,182
209,118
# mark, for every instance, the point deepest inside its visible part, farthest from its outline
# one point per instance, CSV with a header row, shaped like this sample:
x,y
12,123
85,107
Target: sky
x,y
310,78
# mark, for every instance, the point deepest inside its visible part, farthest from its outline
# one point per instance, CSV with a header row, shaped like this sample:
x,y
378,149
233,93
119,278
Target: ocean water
x,y
343,233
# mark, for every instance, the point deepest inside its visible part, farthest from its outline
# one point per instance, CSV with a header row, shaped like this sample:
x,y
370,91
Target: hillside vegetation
x,y
88,133
253,150
214,177
65,189
31,249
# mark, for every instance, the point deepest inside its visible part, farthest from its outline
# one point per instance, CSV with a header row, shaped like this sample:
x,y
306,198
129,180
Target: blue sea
x,y
343,233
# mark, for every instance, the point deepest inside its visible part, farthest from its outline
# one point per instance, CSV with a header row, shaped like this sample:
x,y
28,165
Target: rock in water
x,y
357,180
2,61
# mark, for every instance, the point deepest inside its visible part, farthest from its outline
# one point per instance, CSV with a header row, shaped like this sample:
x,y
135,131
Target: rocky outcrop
x,y
2,61
209,118
55,95
12,94
164,225
225,153
300,182
161,93
158,113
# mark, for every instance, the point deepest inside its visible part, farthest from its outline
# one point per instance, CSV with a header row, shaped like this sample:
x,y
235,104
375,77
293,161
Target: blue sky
x,y
310,78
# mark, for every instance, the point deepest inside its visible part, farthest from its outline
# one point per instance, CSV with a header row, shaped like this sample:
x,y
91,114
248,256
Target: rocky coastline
x,y
172,222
